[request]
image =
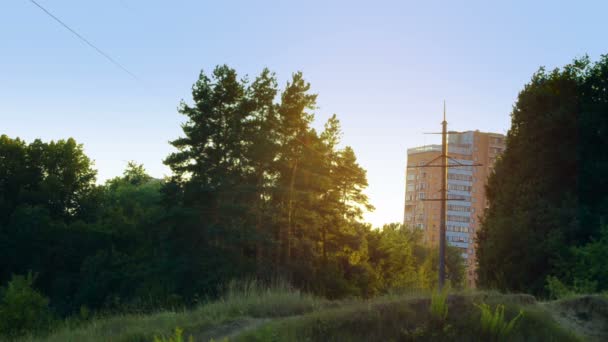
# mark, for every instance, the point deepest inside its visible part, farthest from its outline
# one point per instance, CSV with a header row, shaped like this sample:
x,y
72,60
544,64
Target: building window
x,y
459,187
461,208
457,218
453,197
457,229
456,176
458,239
409,196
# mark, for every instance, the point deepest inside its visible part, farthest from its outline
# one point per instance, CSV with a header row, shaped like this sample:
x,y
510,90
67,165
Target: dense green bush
x,y
22,309
556,289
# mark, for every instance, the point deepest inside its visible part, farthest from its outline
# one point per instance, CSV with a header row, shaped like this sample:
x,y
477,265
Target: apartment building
x,y
466,190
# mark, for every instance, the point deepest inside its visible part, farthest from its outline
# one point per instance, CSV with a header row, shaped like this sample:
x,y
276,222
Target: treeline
x,y
256,192
546,229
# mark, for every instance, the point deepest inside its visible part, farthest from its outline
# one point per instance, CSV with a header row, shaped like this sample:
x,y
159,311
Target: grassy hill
x,y
251,313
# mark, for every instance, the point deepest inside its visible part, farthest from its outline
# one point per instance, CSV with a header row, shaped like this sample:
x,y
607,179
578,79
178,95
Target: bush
x,y
23,310
556,289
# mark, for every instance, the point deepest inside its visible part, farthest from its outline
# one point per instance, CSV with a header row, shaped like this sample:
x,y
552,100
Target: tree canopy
x,y
255,192
548,193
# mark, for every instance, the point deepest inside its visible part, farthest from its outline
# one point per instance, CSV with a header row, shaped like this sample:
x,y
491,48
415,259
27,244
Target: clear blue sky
x,y
383,66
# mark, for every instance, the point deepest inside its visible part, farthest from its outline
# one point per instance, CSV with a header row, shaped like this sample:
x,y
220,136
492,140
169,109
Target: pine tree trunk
x,y
288,231
258,229
324,242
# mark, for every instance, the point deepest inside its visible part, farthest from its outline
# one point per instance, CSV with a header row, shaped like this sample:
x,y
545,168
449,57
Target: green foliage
x,y
256,193
241,300
556,289
493,324
270,194
407,319
589,269
403,318
439,305
548,194
258,300
56,175
455,268
23,310
401,263
177,337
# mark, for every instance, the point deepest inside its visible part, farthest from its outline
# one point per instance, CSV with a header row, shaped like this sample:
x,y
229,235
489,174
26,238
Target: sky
x,y
384,67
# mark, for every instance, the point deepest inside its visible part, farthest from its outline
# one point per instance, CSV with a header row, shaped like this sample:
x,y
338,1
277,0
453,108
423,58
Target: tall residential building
x,y
466,190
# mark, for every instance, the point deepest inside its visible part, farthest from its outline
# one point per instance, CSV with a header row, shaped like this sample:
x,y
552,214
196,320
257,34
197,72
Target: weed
x,y
493,324
177,337
439,305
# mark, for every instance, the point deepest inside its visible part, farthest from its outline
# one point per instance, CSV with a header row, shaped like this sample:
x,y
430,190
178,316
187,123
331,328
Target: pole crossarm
x,y
450,132
450,165
458,164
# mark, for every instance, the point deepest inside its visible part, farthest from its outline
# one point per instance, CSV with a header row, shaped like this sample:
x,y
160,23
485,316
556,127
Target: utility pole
x,y
444,196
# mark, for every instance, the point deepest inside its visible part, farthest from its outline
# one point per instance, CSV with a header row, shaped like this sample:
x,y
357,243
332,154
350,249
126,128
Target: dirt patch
x,y
585,315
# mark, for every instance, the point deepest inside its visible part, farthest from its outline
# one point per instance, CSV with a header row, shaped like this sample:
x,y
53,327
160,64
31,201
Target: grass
x,y
249,312
407,319
439,305
587,314
242,300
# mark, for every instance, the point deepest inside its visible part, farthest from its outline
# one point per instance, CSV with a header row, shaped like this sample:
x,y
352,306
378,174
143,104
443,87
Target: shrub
x,y
23,310
556,288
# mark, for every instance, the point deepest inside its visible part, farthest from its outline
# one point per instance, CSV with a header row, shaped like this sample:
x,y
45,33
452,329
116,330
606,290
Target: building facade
x,y
466,190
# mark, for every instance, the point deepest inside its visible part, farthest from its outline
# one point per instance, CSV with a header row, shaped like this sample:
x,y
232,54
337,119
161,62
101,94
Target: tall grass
x,y
177,337
410,319
251,311
439,305
254,299
241,299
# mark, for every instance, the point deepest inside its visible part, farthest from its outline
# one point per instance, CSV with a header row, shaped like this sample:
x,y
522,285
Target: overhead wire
x,y
83,39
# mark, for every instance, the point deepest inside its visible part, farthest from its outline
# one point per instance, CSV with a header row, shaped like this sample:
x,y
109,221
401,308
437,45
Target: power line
x,y
79,36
